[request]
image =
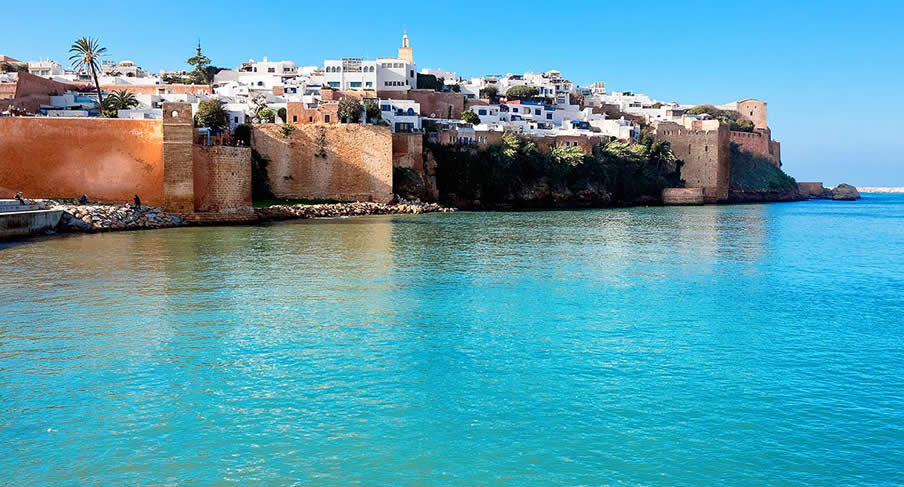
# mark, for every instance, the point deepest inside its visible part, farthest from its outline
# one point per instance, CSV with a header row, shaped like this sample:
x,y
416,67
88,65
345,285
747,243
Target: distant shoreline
x,y
880,189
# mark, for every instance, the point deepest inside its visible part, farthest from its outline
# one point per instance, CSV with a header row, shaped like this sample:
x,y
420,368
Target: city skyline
x,y
788,56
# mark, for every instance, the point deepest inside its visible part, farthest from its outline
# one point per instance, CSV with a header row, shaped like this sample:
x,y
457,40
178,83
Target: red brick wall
x,y
110,160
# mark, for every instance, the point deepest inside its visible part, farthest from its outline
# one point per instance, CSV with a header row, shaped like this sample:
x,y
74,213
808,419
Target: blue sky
x,y
831,71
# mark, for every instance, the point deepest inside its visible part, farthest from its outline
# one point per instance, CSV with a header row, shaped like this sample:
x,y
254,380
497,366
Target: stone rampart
x,y
758,142
347,162
706,156
683,196
110,160
222,179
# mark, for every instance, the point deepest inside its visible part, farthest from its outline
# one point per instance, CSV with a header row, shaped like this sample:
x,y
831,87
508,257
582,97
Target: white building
x,y
126,69
402,115
384,74
45,68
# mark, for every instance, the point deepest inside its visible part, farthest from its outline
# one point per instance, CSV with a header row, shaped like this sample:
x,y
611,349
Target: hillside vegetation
x,y
515,173
750,172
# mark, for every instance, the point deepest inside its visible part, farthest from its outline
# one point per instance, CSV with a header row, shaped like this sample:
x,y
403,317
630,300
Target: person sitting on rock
x,y
137,202
83,200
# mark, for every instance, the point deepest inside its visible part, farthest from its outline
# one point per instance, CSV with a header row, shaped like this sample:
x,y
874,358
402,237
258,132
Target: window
x,y
326,118
515,110
355,84
369,84
385,108
235,119
481,112
548,116
536,111
260,83
310,119
271,70
294,118
411,73
333,84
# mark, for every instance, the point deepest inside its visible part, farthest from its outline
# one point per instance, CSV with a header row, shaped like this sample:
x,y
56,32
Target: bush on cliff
x,y
729,117
750,172
515,172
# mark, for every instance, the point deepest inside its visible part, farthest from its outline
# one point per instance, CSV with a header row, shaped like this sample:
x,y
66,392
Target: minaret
x,y
405,51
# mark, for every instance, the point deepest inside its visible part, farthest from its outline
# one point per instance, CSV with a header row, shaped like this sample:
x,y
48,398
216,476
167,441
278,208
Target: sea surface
x,y
720,345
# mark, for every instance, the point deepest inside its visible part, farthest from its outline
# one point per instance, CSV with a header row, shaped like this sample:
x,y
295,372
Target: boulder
x,y
845,192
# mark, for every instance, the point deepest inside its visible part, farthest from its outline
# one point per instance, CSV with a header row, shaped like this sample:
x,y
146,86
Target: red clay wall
x,y
156,89
347,162
222,178
31,92
110,160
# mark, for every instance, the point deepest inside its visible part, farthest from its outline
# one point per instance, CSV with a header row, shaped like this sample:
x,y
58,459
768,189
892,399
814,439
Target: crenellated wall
x,y
759,142
346,162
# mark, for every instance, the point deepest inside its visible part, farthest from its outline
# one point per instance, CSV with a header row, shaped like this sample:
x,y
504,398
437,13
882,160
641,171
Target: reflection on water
x,y
728,345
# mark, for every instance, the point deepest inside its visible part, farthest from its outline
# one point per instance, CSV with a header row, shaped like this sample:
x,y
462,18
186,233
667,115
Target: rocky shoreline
x,y
333,210
96,218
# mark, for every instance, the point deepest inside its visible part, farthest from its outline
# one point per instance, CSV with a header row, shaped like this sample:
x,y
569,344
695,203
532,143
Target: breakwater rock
x,y
332,210
105,218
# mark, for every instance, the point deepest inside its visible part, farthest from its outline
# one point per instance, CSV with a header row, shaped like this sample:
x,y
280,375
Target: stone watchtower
x,y
405,51
178,179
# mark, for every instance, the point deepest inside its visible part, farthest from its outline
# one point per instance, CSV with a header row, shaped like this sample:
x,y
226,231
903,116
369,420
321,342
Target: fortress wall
x,y
346,162
706,157
110,160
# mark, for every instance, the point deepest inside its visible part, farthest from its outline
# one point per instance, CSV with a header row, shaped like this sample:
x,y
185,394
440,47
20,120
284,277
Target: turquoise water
x,y
720,345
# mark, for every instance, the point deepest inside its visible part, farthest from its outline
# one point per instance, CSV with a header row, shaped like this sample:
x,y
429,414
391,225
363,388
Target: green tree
x,y
118,100
282,114
86,53
266,115
200,75
349,110
212,114
522,92
489,93
372,110
468,116
568,155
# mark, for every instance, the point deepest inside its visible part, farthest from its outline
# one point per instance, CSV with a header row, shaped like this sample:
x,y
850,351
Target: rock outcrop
x,y
845,192
333,210
105,218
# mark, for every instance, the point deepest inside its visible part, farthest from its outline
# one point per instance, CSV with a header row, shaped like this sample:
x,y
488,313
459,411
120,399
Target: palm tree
x,y
86,53
122,100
